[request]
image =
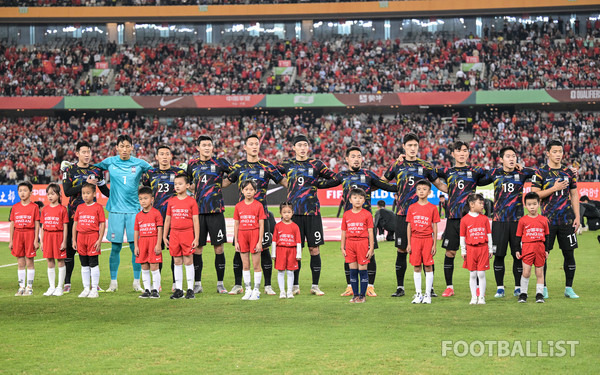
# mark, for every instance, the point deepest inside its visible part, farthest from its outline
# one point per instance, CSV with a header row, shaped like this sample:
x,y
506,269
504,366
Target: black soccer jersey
x,y
461,182
261,172
162,184
508,192
557,207
407,174
73,178
207,179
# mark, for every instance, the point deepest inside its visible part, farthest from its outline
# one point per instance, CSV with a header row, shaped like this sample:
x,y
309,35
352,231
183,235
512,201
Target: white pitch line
x,y
42,259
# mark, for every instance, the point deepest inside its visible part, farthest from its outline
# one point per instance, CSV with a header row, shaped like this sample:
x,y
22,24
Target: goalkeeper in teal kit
x,y
125,173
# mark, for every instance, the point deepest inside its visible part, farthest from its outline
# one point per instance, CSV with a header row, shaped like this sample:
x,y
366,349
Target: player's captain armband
x,y
65,165
101,182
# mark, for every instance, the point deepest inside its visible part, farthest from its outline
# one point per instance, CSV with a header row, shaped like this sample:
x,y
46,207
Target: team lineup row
x,y
302,175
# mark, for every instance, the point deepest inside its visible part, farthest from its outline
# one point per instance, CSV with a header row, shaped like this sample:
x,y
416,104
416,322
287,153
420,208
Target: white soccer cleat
x,y
247,294
473,301
136,286
28,291
113,287
296,289
93,293
481,300
418,298
237,289
58,292
20,291
255,295
426,300
84,293
316,291
49,292
269,290
282,295
290,295
198,289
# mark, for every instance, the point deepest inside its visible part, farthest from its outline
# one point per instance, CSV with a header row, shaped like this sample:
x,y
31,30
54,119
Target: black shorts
x,y
311,229
401,233
269,226
503,234
565,233
214,226
451,236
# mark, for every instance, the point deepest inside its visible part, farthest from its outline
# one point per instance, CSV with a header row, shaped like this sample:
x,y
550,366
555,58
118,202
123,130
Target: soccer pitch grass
x,y
223,334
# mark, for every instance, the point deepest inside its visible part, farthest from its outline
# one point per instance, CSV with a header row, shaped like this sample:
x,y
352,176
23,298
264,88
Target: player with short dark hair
x,y
557,187
73,178
462,180
509,181
161,181
358,177
261,172
206,174
302,173
407,170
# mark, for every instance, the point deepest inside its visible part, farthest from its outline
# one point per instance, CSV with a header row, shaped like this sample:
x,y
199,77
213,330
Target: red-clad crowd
x,y
34,147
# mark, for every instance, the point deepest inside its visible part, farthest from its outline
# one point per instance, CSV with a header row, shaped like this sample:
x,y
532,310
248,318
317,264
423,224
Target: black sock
x,y
545,268
372,270
400,268
448,269
499,269
347,272
198,265
173,268
237,268
266,263
160,268
315,268
569,267
69,265
517,270
220,266
297,273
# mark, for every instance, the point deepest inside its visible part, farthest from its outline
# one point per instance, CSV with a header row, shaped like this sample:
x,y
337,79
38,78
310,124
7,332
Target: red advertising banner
x,y
368,99
228,101
32,102
285,63
165,101
472,59
435,98
102,65
39,194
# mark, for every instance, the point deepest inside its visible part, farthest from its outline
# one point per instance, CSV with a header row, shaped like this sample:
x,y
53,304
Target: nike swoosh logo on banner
x,y
165,103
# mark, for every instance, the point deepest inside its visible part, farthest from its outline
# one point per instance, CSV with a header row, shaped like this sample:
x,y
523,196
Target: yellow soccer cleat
x,y
348,292
371,292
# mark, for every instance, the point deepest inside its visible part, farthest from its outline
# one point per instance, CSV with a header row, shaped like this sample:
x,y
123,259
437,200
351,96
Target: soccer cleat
x,y
154,294
146,294
371,291
247,294
517,292
20,291
477,292
545,292
418,298
426,300
399,292
569,293
177,294
84,293
522,298
49,292
93,294
433,293
296,289
348,292
449,292
539,298
481,300
100,290
360,299
198,289
282,295
67,289
58,292
136,286
221,289
255,296
316,291
237,289
29,291
113,287
269,290
353,299
190,294
290,295
473,301
499,293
